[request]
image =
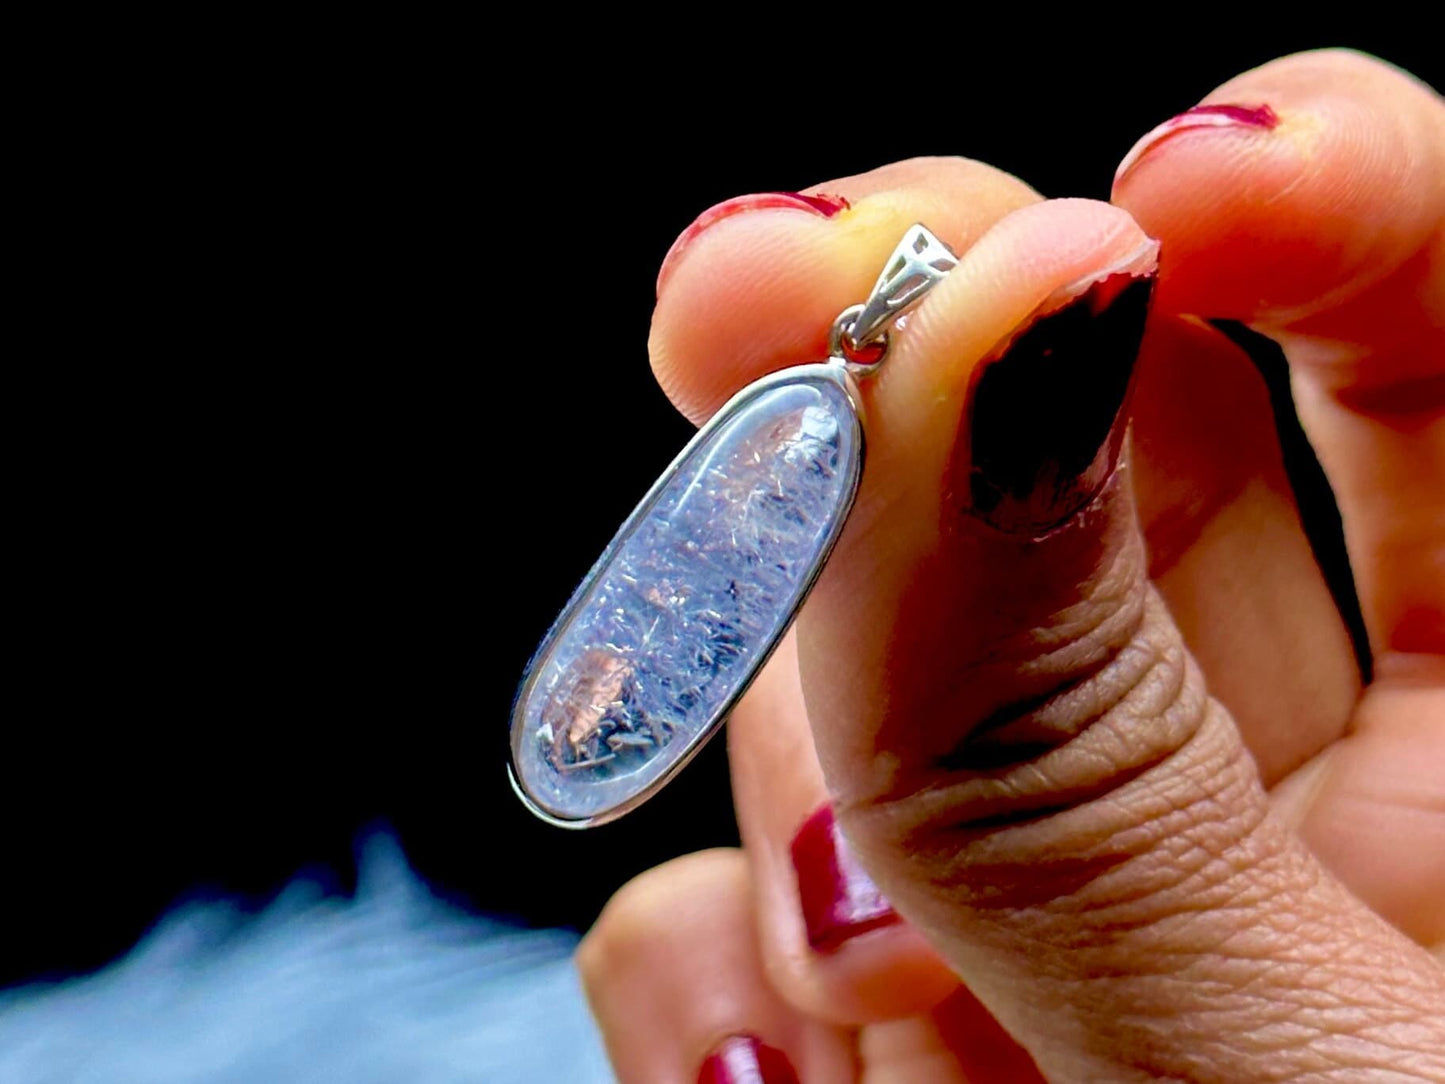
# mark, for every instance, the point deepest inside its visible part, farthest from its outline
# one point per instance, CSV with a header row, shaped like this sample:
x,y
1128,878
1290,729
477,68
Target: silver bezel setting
x,y
835,370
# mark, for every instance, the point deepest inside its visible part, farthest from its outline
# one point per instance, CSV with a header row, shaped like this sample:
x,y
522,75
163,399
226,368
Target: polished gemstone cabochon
x,y
681,610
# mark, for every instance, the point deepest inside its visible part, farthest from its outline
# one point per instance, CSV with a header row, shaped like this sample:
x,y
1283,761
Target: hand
x,y
1083,708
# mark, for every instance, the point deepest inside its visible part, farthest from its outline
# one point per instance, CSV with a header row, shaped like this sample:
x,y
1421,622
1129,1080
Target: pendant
x,y
689,600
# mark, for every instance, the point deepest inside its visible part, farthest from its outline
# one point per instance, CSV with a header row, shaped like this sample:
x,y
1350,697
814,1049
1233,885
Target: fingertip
x,y
673,975
752,292
1290,187
821,204
755,283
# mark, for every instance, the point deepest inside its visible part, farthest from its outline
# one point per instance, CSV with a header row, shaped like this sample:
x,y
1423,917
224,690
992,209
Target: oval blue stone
x,y
689,599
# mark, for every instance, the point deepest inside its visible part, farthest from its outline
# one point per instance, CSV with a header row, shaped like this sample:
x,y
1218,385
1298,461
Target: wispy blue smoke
x,y
392,987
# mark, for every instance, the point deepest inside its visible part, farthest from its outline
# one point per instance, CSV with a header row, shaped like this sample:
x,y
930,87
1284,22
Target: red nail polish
x,y
742,1059
824,205
1258,116
1045,420
839,900
1261,117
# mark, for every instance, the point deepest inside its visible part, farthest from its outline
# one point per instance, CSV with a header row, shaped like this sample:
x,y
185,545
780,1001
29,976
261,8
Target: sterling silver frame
x,y
835,369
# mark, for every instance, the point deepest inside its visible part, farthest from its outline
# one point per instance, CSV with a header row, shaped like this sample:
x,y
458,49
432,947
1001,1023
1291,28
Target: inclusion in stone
x,y
689,599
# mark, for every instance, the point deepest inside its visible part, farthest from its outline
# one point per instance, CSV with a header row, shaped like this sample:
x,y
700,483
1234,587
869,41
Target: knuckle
x,y
1116,783
619,930
591,958
689,896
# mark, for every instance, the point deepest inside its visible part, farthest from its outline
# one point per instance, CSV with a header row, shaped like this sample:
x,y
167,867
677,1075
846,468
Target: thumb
x,y
1019,747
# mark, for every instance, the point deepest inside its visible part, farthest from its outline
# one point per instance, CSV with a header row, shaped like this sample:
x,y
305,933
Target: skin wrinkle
x,y
1229,1017
1097,643
1174,923
1085,639
1213,858
1310,1060
1180,859
961,856
1080,641
1110,743
1050,721
1242,989
1186,917
1108,679
1112,596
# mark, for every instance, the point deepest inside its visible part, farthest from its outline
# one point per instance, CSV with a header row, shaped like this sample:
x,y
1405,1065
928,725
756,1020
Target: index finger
x,y
1307,198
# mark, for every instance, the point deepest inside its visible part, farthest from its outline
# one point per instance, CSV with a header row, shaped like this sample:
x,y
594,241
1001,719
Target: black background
x,y
292,543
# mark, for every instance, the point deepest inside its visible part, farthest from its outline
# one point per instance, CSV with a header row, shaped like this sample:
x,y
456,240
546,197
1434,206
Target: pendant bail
x,y
700,584
918,264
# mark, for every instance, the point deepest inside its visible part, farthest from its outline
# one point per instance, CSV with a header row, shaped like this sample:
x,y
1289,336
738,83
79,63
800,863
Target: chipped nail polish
x,y
839,900
1201,116
1045,419
821,204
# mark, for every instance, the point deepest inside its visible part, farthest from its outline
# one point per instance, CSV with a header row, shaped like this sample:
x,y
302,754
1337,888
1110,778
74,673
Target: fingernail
x,y
1045,418
822,205
839,900
1201,116
742,1059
